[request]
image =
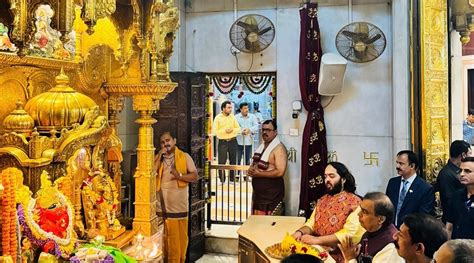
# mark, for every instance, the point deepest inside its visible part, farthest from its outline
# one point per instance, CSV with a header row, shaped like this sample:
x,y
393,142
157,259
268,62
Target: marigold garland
x,y
9,237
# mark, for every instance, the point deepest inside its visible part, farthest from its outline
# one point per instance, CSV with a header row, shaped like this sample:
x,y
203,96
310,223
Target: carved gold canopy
x,y
65,66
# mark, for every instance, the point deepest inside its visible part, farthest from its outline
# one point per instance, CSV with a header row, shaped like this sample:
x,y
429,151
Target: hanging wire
x,y
234,53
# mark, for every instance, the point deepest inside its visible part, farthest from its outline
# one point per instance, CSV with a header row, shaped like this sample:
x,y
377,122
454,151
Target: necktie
x,y
401,197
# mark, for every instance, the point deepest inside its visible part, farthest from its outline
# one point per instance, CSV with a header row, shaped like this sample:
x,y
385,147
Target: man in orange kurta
x,y
334,215
175,169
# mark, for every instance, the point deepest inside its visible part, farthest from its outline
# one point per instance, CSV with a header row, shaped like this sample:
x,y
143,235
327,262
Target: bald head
x,y
382,206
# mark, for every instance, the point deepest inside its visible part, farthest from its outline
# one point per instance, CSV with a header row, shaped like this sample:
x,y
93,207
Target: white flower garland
x,y
60,241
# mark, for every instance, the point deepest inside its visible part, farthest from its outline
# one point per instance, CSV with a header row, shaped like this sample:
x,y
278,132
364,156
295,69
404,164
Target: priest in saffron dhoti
x,y
267,169
175,170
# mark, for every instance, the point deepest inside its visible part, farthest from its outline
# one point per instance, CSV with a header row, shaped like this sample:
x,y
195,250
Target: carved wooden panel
x,y
183,113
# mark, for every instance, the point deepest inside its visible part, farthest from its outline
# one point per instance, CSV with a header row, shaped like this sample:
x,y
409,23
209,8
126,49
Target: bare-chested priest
x,y
267,169
175,170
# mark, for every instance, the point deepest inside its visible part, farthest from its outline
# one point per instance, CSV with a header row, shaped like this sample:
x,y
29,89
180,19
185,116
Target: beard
x,y
336,189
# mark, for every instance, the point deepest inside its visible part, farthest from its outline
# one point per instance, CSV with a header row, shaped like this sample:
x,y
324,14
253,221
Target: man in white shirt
x,y
249,127
419,237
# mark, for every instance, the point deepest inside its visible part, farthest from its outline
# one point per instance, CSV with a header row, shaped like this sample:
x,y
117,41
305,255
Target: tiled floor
x,y
215,258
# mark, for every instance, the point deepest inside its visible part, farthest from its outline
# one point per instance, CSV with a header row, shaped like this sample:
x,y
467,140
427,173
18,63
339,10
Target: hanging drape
x,y
314,146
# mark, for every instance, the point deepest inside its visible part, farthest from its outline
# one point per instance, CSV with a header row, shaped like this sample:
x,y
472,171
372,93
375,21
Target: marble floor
x,y
215,258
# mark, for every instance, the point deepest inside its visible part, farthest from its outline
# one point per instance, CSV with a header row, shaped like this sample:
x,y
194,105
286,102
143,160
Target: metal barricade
x,y
229,202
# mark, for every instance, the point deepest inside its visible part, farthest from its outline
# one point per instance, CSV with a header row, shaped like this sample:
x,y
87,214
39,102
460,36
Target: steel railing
x,y
229,202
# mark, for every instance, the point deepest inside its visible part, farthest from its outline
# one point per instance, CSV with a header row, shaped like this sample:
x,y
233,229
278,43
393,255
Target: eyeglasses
x,y
267,130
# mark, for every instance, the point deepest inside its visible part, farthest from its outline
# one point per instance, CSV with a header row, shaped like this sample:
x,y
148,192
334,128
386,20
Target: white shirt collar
x,y
411,178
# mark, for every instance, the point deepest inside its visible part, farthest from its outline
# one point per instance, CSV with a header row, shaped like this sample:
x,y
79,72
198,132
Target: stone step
x,y
218,258
222,239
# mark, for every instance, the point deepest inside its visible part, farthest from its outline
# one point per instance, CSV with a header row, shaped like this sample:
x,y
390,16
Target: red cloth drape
x,y
314,146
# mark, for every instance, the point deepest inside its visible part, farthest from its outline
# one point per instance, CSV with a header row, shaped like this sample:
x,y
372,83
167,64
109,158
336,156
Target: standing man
x,y
468,127
419,237
249,127
175,170
376,214
226,127
460,217
267,170
448,178
409,192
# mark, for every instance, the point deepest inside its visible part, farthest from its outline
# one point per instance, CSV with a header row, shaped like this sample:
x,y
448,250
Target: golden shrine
x,y
65,68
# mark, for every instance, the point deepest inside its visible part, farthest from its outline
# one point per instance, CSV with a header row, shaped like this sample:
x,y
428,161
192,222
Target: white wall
x,y
359,120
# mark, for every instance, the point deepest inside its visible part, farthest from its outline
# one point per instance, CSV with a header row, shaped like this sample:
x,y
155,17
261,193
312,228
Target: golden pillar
x,y
146,98
145,219
434,86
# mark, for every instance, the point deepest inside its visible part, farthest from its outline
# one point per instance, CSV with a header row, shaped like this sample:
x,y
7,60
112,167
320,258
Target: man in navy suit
x,y
409,192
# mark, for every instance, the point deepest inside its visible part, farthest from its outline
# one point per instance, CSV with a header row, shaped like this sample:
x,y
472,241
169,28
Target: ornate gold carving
x,y
434,86
24,17
159,90
19,121
164,21
14,139
11,59
64,106
109,64
93,10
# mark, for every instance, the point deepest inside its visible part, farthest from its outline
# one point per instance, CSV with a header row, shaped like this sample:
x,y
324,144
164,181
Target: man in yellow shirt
x,y
226,128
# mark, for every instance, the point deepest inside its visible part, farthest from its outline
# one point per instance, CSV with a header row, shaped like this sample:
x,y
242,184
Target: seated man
x,y
376,213
331,219
455,251
419,237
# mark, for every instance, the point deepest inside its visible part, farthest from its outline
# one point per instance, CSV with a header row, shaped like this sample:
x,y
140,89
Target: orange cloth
x,y
177,237
180,163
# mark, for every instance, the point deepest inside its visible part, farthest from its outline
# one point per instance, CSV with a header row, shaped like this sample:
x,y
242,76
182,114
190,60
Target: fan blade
x,y
245,26
355,37
263,31
373,39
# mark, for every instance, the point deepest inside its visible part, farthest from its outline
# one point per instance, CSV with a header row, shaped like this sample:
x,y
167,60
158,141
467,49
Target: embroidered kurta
x,y
331,216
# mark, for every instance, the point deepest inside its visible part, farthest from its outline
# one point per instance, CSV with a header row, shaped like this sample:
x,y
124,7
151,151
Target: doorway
x,y
252,97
